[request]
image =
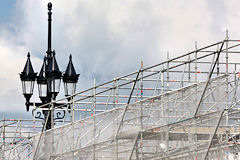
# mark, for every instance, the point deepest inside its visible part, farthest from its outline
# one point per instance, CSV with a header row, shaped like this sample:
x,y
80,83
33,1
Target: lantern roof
x,y
28,72
52,69
41,79
70,73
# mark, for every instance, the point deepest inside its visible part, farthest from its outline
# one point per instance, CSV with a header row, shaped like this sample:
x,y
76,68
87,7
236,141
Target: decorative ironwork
x,y
59,115
37,115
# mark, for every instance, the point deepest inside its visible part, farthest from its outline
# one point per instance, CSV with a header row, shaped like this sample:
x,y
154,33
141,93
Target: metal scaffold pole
x,y
196,100
4,141
167,107
94,119
227,96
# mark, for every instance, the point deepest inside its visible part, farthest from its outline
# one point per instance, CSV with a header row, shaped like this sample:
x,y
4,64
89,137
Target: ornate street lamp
x,y
28,78
54,76
42,82
70,78
48,80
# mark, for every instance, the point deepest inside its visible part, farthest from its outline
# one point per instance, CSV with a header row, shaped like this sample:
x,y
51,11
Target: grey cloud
x,y
108,38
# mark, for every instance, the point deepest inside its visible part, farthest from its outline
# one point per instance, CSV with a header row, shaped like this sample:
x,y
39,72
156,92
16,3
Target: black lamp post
x,y
48,80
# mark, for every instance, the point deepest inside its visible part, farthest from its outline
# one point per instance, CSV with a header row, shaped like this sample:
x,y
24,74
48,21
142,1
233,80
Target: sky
x,y
107,38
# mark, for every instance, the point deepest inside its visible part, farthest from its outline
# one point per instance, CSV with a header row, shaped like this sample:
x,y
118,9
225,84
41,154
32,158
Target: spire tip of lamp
x,y
49,6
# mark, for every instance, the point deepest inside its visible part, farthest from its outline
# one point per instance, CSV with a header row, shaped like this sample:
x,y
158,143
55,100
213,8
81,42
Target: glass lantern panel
x,y
27,87
55,85
69,88
42,89
23,87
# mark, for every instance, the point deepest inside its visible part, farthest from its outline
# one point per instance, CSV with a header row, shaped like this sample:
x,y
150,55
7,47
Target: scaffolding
x,y
184,108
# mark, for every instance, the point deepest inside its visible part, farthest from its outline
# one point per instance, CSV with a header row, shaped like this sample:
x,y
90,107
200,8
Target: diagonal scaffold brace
x,y
209,77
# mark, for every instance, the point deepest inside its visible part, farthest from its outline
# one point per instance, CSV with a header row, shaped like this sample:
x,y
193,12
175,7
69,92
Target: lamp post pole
x,y
49,51
48,114
48,80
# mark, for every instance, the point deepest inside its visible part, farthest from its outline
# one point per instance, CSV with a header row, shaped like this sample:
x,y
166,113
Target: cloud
x,y
11,64
107,38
